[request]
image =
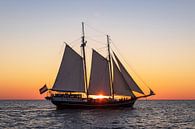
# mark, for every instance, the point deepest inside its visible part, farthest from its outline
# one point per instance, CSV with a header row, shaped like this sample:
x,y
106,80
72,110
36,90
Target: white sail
x,y
128,77
71,74
119,84
99,79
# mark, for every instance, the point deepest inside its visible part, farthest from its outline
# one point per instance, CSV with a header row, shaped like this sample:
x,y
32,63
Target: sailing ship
x,y
108,80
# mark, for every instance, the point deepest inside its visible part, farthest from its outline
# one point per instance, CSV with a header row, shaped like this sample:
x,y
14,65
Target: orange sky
x,y
21,77
156,39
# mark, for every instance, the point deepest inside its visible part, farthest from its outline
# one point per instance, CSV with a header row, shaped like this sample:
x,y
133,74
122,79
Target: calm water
x,y
147,114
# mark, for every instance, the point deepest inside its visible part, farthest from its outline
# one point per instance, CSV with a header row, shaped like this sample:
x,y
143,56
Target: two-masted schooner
x,y
108,80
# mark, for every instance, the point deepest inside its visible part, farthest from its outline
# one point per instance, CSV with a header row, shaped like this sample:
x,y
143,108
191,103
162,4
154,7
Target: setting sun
x,y
99,96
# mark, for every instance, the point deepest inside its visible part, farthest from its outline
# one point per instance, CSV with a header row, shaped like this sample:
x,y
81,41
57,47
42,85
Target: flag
x,y
43,89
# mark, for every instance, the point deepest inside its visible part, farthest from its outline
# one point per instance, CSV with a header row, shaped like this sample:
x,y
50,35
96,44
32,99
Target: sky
x,y
154,39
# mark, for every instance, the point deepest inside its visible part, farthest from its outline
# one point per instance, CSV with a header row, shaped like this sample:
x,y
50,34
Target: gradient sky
x,y
156,38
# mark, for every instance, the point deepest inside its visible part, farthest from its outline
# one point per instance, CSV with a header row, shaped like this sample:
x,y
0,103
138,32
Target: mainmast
x,y
84,58
110,66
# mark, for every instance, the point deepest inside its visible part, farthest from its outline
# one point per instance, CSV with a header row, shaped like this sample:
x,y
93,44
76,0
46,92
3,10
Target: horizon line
x,y
138,99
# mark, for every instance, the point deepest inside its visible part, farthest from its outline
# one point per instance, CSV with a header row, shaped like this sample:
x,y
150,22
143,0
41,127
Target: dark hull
x,y
88,105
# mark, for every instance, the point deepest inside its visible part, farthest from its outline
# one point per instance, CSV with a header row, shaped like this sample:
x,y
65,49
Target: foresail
x,y
70,76
119,84
99,79
132,84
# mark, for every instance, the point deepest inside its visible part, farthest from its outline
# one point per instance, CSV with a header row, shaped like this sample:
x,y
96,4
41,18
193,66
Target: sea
x,y
146,114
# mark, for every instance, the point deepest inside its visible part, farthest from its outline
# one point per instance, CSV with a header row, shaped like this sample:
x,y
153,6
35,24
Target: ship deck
x,y
92,103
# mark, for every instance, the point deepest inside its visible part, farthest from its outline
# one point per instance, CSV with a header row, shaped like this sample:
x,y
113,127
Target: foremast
x,y
84,58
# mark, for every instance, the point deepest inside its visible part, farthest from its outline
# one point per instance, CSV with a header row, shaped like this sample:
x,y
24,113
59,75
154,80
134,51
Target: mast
x,y
110,66
84,58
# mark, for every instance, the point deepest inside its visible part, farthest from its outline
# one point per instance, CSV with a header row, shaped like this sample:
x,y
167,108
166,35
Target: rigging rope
x,y
89,38
117,51
103,34
128,64
73,42
95,29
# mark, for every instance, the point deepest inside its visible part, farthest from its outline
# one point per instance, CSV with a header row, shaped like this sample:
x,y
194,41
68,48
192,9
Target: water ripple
x,y
146,114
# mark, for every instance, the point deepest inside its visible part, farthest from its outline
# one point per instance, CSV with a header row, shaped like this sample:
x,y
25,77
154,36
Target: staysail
x,y
132,84
119,84
99,80
70,76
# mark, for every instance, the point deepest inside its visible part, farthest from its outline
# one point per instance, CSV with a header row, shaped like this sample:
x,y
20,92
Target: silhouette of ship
x,y
108,80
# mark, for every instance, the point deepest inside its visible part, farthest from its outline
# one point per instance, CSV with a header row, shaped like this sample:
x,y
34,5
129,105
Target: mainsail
x,y
99,79
119,84
70,75
132,84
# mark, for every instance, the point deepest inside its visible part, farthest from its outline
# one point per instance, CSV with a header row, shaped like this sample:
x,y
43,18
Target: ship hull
x,y
88,105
